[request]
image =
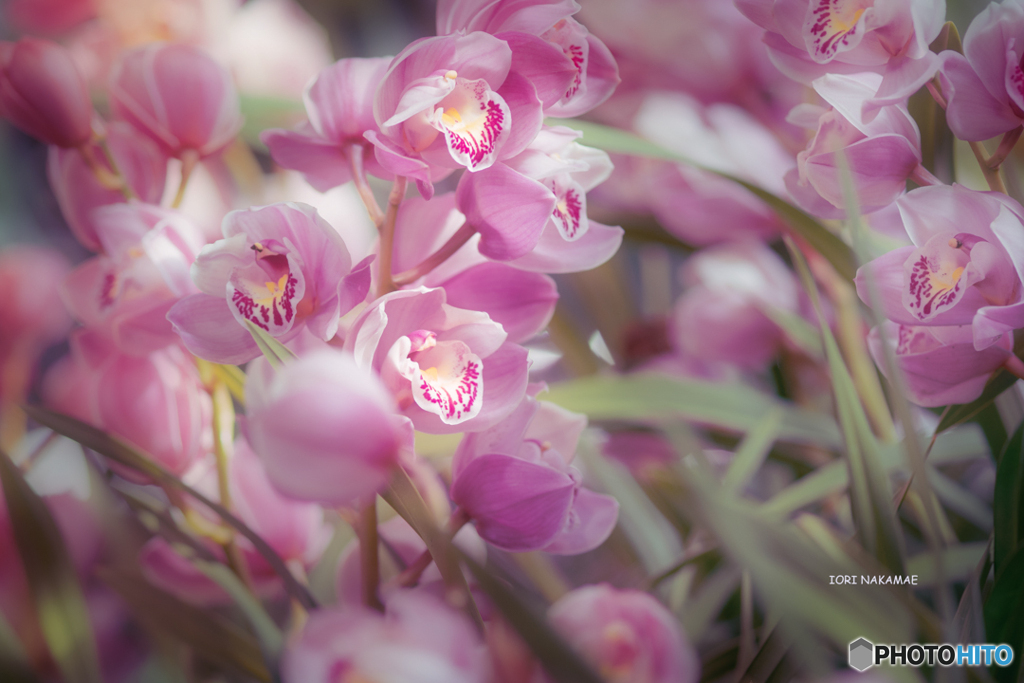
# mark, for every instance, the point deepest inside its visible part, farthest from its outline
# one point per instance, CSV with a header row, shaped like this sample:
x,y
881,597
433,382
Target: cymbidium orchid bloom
x,y
984,86
452,102
126,292
43,94
79,192
326,430
531,210
419,639
178,96
724,315
964,268
627,635
517,483
339,104
573,70
279,267
522,303
879,155
940,364
809,38
450,370
156,402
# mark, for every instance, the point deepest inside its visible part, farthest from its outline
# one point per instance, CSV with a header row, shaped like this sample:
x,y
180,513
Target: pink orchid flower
x,y
522,303
879,154
516,482
326,430
452,102
984,87
126,292
940,364
78,191
573,70
626,634
178,96
809,38
450,370
724,314
420,639
339,104
156,402
279,267
43,94
964,268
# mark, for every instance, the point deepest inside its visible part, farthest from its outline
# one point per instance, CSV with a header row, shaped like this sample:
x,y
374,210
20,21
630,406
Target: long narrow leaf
x,y
403,496
52,580
817,235
120,452
870,493
210,635
14,664
751,452
731,407
557,657
275,352
1008,501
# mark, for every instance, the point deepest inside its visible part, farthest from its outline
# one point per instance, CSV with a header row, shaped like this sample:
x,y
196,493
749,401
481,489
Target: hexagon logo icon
x,y
861,654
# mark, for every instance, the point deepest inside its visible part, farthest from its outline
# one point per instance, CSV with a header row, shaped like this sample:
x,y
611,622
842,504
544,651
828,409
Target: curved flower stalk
x,y
450,370
516,482
281,268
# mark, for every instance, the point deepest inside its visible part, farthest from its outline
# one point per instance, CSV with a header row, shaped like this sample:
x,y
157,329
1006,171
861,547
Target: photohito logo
x,y
864,654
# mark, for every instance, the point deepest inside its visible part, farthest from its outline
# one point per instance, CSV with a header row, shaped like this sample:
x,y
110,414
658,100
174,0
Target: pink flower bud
x,y
42,93
326,430
628,635
178,96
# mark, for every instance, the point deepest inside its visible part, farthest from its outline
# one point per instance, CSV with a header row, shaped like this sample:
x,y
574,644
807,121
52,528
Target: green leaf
x,y
263,626
14,663
817,235
211,636
120,452
958,562
790,571
262,112
821,483
1004,614
650,535
751,452
557,657
274,351
870,493
649,397
406,500
52,579
1008,500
